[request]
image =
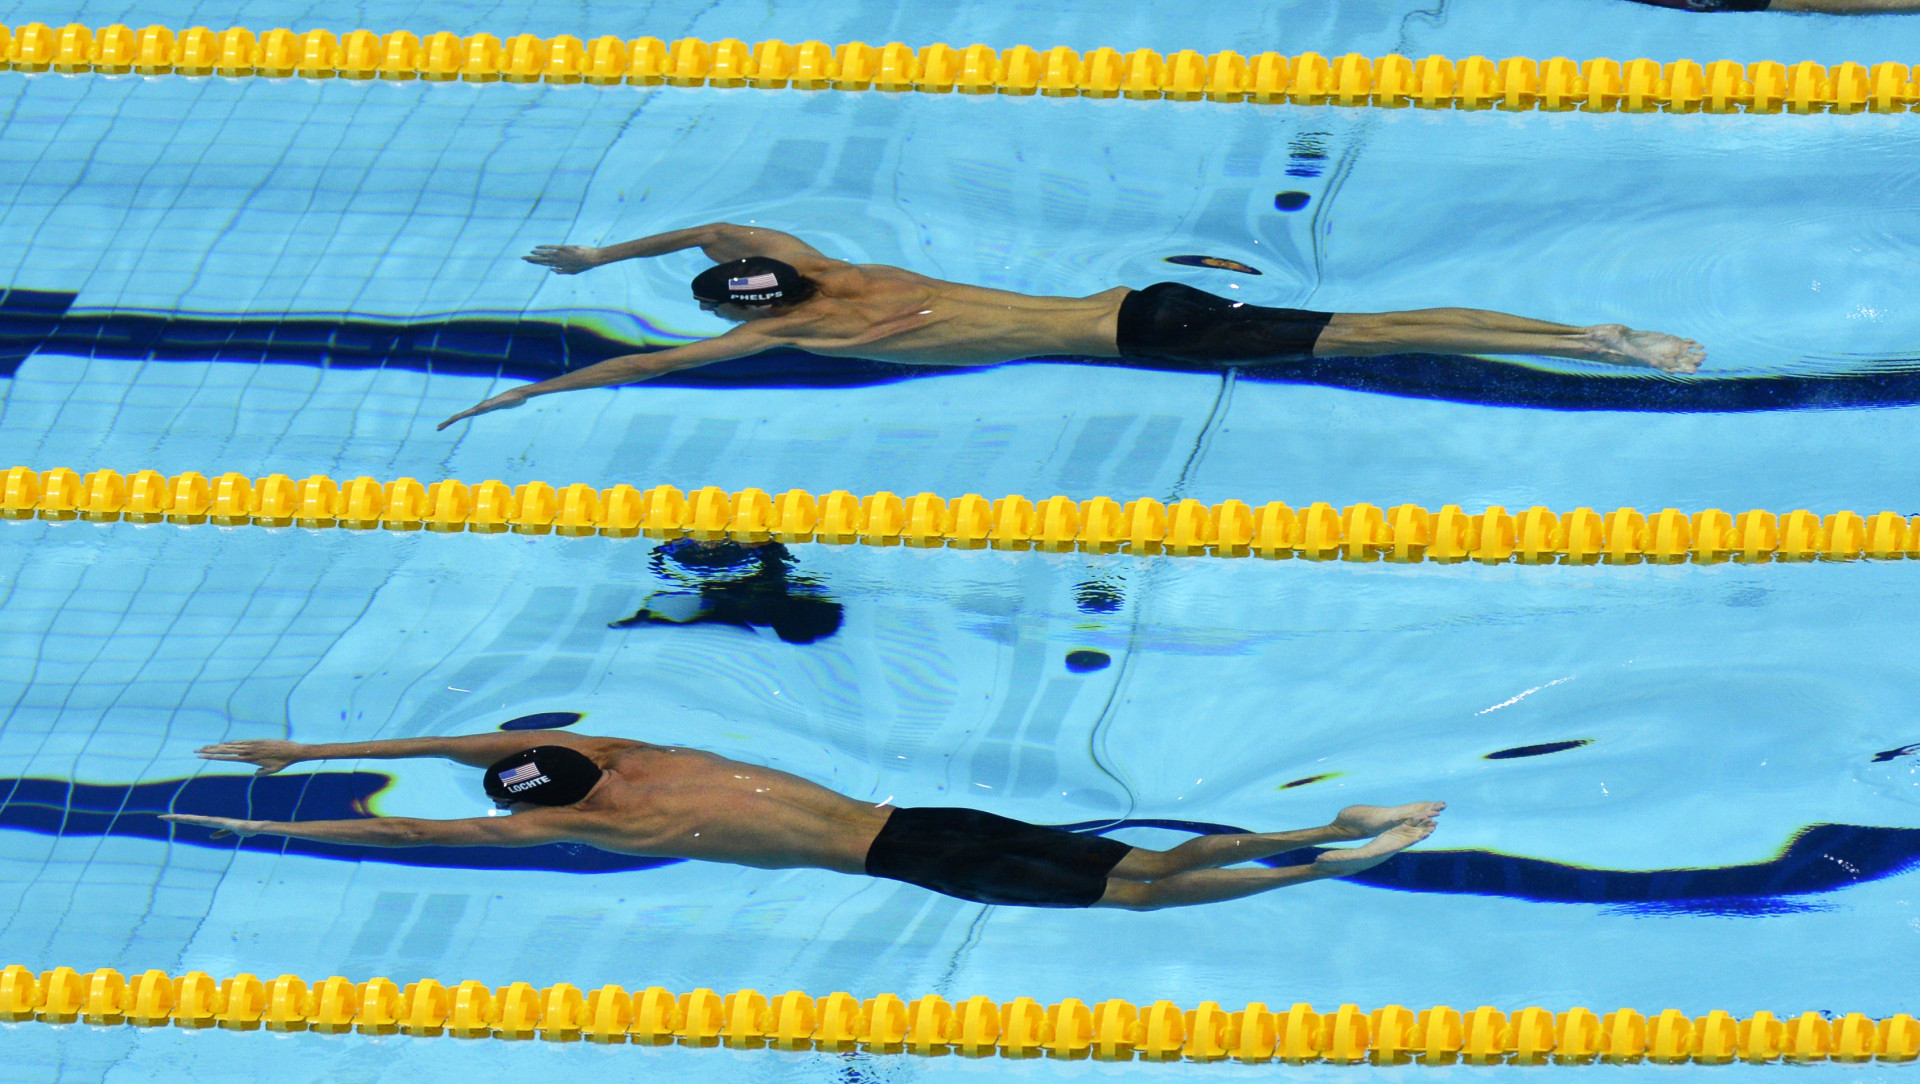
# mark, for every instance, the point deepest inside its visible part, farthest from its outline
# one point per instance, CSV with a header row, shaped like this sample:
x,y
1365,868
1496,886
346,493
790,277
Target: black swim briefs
x,y
991,859
1172,322
1709,5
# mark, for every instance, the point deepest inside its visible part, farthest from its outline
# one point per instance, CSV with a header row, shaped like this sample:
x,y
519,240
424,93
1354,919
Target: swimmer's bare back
x,y
890,314
652,800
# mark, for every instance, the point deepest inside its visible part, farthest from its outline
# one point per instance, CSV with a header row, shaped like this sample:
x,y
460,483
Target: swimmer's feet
x,y
1348,861
1366,821
1618,344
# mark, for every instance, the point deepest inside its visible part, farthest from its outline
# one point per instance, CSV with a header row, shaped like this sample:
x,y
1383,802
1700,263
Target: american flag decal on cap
x,y
515,775
754,282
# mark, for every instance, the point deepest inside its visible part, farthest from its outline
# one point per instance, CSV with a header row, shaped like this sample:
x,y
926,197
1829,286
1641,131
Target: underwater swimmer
x,y
782,292
633,798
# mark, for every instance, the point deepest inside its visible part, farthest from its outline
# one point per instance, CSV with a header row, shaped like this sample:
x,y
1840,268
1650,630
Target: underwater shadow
x,y
535,347
1817,859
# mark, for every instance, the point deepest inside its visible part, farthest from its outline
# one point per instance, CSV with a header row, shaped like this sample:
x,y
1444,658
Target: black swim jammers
x,y
1169,321
992,859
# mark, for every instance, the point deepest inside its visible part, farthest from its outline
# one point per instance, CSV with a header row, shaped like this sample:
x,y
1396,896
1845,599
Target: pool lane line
x,y
1393,81
1405,533
1112,1030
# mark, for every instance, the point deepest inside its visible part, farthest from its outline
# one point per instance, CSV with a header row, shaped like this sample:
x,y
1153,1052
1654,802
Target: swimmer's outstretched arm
x,y
472,750
632,368
528,829
721,241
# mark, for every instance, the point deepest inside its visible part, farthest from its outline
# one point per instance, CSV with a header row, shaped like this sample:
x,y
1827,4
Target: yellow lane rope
x,y
1435,82
1112,1030
1361,532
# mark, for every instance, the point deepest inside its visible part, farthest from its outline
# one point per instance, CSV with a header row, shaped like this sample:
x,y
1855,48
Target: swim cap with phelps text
x,y
756,280
544,775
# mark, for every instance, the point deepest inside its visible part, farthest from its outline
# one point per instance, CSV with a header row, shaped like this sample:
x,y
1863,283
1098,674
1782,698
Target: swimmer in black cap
x,y
633,798
782,292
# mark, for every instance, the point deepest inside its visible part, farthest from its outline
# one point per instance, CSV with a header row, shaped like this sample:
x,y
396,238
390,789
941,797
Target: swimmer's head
x,y
544,775
751,288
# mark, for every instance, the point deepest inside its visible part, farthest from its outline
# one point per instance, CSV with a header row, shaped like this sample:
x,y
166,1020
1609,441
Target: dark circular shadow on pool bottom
x,y
1290,201
545,720
1537,750
1086,662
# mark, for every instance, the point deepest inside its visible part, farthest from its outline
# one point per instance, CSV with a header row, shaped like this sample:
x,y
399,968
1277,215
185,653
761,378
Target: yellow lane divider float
x,y
1436,82
1111,1030
1185,528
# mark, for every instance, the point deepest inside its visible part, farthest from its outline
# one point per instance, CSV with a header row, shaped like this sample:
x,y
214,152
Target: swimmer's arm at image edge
x,y
472,750
720,241
740,342
520,830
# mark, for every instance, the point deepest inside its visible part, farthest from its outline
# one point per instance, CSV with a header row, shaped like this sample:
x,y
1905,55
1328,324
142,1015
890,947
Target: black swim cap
x,y
755,280
543,775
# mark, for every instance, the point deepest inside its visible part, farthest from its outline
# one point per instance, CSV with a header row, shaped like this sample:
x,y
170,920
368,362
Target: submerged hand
x,y
564,259
270,754
224,826
506,400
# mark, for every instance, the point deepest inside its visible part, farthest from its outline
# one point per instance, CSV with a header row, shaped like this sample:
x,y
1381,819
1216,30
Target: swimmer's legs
x,y
1479,331
1214,885
1209,852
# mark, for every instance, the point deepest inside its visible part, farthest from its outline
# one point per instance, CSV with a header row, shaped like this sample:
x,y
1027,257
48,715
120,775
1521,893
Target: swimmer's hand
x,y
564,259
223,826
506,400
271,755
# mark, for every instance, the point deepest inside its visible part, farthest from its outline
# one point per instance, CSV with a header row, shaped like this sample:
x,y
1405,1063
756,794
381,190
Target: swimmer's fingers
x,y
462,416
222,826
229,750
563,259
506,400
271,756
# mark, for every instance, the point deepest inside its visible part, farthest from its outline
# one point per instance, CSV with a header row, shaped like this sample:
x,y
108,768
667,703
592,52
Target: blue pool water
x,y
1725,709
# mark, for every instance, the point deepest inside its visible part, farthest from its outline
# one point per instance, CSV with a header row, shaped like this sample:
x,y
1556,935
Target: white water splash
x,y
1529,692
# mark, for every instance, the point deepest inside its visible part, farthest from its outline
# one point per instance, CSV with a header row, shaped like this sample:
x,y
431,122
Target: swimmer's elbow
x,y
723,239
408,832
413,832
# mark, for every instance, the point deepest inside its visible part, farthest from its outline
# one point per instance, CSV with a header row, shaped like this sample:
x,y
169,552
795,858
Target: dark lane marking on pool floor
x,y
1819,858
535,348
1537,750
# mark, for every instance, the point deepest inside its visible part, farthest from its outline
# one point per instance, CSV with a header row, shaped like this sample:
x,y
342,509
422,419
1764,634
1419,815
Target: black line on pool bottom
x,y
535,349
543,720
1537,750
57,807
1819,858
